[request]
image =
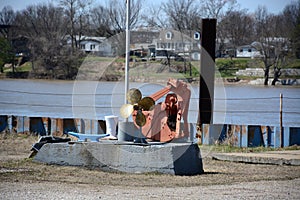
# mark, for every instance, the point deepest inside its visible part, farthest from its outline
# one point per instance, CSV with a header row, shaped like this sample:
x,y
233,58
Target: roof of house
x,y
143,36
175,35
96,39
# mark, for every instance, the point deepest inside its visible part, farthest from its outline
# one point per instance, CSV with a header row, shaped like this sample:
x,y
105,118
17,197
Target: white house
x,y
247,51
96,45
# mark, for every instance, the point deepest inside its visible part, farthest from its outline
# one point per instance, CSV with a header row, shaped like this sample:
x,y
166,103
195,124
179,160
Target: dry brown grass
x,y
15,166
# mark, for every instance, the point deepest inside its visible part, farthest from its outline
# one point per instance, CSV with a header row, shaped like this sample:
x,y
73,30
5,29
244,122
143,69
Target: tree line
x,y
46,27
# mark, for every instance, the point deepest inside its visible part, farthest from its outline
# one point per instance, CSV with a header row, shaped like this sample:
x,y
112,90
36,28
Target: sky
x,y
273,6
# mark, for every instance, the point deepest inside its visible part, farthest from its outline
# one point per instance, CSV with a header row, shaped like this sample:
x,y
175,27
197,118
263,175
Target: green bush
x,y
227,67
6,53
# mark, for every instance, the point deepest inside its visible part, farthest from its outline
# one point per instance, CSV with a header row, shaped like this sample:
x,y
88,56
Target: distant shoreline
x,y
218,81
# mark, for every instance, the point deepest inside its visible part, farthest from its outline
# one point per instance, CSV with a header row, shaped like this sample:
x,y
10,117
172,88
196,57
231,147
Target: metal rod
x,y
127,50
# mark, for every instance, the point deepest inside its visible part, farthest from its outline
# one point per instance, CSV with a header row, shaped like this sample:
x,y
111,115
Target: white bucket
x,y
111,125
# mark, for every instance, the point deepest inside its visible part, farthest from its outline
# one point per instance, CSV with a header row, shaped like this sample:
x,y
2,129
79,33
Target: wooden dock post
x,y
9,123
244,136
23,124
280,121
56,127
237,132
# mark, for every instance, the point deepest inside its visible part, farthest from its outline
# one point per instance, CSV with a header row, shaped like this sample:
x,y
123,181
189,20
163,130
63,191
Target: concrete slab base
x,y
169,158
273,157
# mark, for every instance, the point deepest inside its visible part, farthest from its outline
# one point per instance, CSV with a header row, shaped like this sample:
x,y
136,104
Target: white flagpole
x,y
127,48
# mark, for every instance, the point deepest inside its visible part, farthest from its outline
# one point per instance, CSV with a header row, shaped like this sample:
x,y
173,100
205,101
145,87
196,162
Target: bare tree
x,y
78,18
100,21
117,21
155,17
27,24
236,26
264,43
272,44
44,27
183,14
217,8
291,20
7,17
281,45
117,13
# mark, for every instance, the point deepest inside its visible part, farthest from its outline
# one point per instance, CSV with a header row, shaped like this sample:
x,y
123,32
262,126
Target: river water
x,y
233,104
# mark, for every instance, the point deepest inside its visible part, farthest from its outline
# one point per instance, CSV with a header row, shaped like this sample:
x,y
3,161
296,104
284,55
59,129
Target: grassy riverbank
x,y
113,69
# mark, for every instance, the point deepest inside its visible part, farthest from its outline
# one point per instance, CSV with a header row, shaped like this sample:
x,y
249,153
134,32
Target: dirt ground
x,y
21,178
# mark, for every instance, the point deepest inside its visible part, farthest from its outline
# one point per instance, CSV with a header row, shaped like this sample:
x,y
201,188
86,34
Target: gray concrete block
x,y
170,158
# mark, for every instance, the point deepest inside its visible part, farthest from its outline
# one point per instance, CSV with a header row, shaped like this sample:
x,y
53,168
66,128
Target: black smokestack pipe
x,y
207,71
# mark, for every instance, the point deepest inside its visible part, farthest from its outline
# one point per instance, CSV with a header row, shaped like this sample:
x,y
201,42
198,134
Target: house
x,y
142,39
141,42
147,43
177,43
247,51
158,44
96,45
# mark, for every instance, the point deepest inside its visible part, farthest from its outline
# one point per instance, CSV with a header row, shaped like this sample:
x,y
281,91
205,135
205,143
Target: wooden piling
x,y
23,124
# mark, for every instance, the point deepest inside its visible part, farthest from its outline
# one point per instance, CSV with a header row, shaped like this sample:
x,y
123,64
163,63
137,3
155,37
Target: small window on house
x,y
169,35
197,36
92,46
82,46
249,50
196,56
241,50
